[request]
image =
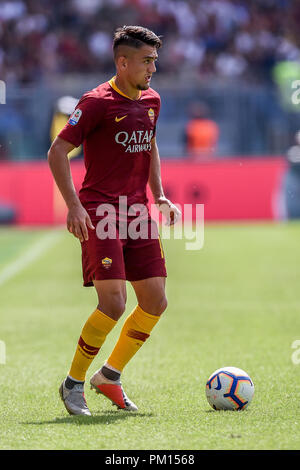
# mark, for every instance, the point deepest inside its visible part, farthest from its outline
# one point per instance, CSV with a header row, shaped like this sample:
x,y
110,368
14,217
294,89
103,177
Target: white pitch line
x,y
30,255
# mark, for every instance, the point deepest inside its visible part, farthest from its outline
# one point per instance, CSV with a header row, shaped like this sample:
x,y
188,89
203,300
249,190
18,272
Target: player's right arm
x,y
78,219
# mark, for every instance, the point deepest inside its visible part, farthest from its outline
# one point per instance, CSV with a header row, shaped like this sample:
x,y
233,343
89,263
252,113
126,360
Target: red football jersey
x,y
116,133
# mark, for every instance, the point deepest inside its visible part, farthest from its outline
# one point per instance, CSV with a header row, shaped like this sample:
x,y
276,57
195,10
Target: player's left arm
x,y
164,205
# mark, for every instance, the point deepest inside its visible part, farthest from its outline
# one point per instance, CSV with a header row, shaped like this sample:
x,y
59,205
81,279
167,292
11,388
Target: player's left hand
x,y
168,209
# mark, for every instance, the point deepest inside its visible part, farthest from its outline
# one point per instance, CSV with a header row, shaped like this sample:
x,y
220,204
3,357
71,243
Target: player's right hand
x,y
78,222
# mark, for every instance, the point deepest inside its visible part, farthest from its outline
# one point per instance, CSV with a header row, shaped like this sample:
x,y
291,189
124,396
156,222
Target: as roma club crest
x,y
106,263
151,115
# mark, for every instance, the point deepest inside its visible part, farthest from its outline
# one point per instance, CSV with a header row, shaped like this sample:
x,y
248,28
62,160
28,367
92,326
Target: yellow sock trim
x,y
145,321
135,331
101,322
91,339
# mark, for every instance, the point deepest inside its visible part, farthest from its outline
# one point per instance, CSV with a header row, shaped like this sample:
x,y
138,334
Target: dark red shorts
x,y
122,255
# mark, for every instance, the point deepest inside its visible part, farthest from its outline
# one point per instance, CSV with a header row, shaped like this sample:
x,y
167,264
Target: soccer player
x,y
116,122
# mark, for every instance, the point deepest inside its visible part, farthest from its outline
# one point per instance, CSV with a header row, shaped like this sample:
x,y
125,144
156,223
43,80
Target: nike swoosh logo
x,y
218,387
120,119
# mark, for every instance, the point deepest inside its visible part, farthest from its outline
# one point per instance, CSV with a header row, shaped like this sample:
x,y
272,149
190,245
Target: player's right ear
x,y
121,63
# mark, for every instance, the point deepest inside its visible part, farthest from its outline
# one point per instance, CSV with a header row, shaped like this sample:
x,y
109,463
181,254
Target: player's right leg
x,y
111,306
102,260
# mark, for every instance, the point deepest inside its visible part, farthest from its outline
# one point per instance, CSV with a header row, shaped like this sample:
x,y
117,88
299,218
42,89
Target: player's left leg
x,y
137,328
145,269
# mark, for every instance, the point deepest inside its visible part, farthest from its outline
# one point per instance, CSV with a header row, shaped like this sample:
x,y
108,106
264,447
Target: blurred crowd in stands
x,y
228,38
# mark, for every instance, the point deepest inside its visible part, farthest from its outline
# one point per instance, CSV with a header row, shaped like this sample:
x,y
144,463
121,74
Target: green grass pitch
x,y
235,302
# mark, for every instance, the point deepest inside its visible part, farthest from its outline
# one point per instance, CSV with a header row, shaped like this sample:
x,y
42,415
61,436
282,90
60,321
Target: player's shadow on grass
x,y
107,417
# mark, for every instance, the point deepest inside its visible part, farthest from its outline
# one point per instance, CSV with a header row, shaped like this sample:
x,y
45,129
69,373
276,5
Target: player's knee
x,y
157,305
113,305
118,304
162,305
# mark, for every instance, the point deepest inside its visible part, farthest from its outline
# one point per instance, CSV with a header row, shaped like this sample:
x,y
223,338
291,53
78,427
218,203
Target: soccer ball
x,y
229,388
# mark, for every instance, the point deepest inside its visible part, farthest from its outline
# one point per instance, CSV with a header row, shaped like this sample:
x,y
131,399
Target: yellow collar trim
x,y
114,86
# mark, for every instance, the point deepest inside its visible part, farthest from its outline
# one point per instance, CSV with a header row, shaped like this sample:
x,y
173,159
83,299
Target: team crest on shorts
x,y
151,115
106,263
74,118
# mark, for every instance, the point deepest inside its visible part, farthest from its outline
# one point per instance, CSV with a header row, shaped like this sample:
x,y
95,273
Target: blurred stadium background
x,y
228,125
228,139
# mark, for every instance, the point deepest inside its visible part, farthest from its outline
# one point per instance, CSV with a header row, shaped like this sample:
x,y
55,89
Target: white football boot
x,y
74,399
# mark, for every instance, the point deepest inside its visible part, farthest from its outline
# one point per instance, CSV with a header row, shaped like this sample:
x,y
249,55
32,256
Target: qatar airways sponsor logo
x,y
136,141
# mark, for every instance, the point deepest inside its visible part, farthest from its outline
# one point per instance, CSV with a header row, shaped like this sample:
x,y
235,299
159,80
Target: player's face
x,y
141,67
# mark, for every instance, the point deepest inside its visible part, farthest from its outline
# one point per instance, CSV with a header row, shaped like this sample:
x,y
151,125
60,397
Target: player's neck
x,y
126,88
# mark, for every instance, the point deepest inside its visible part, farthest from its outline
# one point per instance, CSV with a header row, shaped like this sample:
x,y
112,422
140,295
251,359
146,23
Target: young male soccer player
x,y
116,123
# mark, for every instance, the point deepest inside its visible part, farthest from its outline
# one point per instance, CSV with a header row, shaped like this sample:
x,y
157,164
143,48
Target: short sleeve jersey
x,y
116,133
